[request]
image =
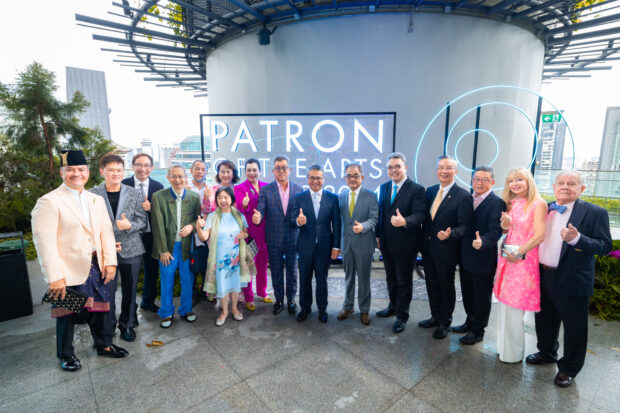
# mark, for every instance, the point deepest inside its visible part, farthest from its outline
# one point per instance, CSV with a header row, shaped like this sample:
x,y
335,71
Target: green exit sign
x,y
551,118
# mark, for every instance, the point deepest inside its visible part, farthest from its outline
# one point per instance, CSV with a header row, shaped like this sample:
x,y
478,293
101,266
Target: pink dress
x,y
518,284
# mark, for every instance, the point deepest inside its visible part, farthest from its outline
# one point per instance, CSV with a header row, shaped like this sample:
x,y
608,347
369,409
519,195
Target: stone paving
x,y
272,363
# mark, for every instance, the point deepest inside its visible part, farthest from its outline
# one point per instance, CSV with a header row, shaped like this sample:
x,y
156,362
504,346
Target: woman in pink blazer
x,y
246,196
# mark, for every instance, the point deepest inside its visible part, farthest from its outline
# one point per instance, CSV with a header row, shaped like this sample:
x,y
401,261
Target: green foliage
x,y
605,302
174,18
610,204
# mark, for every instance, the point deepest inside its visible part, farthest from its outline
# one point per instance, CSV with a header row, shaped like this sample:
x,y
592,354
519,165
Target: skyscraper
x,y
609,160
92,85
550,150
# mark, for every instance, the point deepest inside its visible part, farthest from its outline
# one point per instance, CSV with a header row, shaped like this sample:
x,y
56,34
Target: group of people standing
x,y
534,256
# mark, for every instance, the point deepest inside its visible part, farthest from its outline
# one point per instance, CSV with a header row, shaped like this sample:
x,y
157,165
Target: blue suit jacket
x,y
323,230
278,230
487,222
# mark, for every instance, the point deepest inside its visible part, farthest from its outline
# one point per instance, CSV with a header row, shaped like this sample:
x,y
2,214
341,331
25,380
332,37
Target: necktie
x,y
436,203
315,203
394,193
142,189
556,207
352,204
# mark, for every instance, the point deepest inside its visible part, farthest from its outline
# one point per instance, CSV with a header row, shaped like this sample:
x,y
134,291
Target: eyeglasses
x,y
356,176
394,168
280,168
177,177
143,165
483,180
315,178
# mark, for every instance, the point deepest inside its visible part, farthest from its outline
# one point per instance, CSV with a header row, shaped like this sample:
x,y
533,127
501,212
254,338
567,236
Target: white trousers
x,y
511,334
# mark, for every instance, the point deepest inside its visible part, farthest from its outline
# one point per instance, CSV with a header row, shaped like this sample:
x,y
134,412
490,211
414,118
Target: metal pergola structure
x,y
171,39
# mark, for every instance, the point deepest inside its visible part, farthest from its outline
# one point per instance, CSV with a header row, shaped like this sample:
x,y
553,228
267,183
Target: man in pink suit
x,y
246,195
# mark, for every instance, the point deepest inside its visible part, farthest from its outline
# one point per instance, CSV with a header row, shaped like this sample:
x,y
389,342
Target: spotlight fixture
x,y
264,35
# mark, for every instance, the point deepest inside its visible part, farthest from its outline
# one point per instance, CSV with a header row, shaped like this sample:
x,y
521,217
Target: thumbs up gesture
x,y
569,233
123,223
358,228
301,219
146,205
398,220
506,221
256,217
477,243
444,235
246,200
200,222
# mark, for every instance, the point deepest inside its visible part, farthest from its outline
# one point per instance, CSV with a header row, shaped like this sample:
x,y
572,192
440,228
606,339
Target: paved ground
x,y
272,363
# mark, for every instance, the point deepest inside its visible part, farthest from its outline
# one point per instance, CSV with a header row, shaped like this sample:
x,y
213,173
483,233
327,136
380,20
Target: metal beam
x,y
249,9
176,79
459,4
543,6
147,45
589,35
206,12
501,5
575,69
577,61
584,25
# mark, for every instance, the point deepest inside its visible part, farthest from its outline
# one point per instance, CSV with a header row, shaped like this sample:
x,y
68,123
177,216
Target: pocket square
x,y
578,250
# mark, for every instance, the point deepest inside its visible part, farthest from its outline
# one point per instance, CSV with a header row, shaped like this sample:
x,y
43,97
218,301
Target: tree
x,y
36,119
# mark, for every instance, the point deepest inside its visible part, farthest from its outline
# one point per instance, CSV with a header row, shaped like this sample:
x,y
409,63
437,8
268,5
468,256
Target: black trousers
x,y
399,277
151,271
440,289
319,265
570,311
128,271
476,290
65,327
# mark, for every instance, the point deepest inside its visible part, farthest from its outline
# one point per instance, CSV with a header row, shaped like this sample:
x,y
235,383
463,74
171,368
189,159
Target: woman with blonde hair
x,y
517,280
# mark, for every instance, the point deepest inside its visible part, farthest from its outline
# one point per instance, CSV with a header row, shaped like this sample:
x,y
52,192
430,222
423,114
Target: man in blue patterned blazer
x,y
274,204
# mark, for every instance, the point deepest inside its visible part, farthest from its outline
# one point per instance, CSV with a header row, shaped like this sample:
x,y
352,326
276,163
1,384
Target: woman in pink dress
x,y
517,280
246,195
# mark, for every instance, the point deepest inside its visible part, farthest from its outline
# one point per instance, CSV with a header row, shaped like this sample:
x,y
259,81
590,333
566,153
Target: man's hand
x,y
569,233
123,223
58,289
246,200
256,217
119,248
477,243
301,219
165,258
146,205
444,235
335,252
200,222
109,272
358,228
506,220
398,220
186,230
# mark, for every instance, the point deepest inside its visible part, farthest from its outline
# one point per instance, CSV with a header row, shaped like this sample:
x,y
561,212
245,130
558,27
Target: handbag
x,y
251,246
74,300
198,258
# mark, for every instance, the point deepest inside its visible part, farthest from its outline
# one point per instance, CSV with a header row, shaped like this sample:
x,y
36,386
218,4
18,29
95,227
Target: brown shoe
x,y
344,314
365,319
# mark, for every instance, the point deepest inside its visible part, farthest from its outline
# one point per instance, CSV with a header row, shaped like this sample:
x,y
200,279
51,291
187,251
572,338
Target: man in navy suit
x,y
576,231
318,242
142,165
401,213
274,203
449,215
479,256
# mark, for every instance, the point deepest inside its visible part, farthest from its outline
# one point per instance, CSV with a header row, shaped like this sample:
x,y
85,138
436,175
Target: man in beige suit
x,y
74,239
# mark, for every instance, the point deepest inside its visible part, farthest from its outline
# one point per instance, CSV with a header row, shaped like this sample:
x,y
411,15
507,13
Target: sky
x,y
141,110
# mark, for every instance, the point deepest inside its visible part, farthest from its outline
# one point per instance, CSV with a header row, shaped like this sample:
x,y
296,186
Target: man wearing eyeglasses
x,y
359,213
142,165
449,214
479,256
401,214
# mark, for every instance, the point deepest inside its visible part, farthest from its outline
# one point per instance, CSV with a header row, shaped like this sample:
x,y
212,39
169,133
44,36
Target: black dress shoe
x,y
428,323
562,380
128,334
538,358
114,352
463,328
277,307
398,326
471,338
152,308
441,332
303,314
388,312
70,364
292,307
323,317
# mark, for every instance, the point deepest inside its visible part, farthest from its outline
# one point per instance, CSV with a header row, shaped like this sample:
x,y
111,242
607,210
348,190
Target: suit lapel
x,y
358,200
121,202
575,219
279,198
73,206
172,207
447,198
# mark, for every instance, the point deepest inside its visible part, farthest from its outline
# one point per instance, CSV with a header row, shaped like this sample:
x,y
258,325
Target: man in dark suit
x,y
479,256
401,213
142,165
449,215
274,203
124,205
359,212
318,242
576,231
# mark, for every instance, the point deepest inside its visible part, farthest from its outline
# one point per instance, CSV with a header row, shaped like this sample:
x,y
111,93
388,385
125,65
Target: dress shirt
x,y
399,183
137,182
80,197
479,198
446,189
179,204
284,195
316,197
550,249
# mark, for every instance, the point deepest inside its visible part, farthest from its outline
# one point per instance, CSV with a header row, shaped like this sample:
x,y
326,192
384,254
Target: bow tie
x,y
556,207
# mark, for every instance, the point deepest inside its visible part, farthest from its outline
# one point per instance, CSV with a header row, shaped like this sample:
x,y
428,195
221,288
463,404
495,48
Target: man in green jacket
x,y
173,214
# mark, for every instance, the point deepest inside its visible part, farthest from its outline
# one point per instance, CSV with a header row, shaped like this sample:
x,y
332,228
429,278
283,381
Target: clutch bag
x,y
73,301
252,247
509,248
